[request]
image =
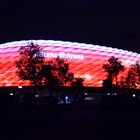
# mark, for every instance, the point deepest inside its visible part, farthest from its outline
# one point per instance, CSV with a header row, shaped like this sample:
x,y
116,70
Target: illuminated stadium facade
x,y
85,60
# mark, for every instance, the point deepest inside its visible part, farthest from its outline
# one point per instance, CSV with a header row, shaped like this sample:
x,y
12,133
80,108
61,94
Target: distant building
x,y
85,60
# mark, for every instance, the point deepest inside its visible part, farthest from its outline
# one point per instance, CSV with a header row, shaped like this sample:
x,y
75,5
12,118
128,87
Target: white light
x,y
66,97
85,93
87,76
5,81
134,95
60,54
36,96
19,86
11,94
108,93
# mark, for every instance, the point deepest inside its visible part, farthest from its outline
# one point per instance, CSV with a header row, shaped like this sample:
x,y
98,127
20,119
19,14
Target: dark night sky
x,y
114,23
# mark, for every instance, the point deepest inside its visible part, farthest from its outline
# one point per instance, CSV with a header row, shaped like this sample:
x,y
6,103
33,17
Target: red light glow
x,y
85,60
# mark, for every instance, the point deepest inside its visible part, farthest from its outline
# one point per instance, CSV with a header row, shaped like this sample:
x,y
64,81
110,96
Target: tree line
x,y
55,72
40,73
114,67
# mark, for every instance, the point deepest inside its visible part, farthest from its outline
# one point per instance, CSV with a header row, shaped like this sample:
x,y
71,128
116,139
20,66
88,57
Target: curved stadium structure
x,y
85,60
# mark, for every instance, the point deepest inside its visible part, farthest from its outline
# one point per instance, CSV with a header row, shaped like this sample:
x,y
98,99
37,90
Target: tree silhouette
x,y
77,82
29,65
77,85
132,79
113,68
107,85
52,73
137,65
61,70
56,73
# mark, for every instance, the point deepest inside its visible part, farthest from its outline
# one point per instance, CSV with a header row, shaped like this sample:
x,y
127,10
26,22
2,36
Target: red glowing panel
x,y
85,60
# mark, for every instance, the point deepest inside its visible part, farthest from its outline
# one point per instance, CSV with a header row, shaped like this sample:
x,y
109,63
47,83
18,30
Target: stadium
x,y
85,60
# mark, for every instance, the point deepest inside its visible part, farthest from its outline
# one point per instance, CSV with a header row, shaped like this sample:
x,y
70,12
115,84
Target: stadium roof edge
x,y
66,44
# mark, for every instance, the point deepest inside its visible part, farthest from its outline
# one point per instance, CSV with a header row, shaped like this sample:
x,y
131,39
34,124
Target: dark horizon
x,y
114,24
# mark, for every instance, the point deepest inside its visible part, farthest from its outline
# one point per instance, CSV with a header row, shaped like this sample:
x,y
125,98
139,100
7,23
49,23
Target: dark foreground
x,y
67,122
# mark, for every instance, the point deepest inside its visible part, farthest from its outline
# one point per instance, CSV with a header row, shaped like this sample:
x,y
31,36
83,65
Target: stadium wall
x,y
85,60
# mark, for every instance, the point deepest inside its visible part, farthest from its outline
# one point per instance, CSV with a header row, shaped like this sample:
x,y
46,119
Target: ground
x,y
87,121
